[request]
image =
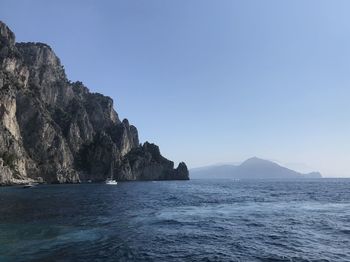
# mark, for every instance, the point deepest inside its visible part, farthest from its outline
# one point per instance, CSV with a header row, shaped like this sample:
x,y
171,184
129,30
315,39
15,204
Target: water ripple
x,y
178,221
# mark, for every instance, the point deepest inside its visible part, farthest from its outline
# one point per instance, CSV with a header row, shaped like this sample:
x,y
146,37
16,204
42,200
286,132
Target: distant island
x,y
253,168
56,131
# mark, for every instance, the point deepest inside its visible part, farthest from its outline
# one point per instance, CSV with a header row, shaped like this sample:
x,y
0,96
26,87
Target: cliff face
x,y
55,131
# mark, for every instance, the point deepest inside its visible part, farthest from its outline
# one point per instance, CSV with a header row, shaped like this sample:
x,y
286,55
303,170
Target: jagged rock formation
x,y
55,131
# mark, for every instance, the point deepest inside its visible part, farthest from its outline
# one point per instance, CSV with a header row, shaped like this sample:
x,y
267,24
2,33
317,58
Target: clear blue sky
x,y
211,81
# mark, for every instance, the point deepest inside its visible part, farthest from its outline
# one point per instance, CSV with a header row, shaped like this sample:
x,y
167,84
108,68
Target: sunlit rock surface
x,y
55,131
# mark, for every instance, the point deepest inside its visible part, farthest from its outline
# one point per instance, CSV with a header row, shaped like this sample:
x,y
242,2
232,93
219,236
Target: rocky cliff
x,y
55,131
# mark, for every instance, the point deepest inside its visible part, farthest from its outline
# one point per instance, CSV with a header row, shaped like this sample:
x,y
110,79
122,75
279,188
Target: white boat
x,y
111,181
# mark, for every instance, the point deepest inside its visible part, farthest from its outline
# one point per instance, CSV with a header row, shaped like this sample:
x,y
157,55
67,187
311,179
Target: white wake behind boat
x,y
29,185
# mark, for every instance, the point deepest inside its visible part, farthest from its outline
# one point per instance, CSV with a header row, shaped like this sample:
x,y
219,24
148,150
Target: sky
x,y
211,81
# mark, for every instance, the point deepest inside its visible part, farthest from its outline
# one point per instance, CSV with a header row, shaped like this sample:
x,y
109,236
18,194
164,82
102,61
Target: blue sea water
x,y
199,220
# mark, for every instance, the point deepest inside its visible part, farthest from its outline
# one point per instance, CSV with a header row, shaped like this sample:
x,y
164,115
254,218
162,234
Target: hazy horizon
x,y
211,81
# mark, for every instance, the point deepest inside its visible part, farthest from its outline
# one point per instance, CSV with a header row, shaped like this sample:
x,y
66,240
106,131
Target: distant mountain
x,y
253,168
313,175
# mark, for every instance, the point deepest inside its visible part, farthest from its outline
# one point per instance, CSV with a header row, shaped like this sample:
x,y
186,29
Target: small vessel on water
x,y
30,185
111,181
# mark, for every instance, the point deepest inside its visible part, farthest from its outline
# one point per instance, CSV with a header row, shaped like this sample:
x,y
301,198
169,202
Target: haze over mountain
x,y
252,168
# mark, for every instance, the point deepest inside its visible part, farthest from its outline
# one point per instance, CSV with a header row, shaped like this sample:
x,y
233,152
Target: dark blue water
x,y
199,220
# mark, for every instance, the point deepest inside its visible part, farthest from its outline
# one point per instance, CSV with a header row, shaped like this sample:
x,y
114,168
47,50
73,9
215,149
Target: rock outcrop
x,y
56,131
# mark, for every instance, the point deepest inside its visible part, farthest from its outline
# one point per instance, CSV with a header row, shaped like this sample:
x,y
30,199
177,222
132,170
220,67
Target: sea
x,y
197,220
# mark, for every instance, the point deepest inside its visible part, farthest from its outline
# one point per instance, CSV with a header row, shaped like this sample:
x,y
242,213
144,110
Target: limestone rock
x,y
56,131
146,163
